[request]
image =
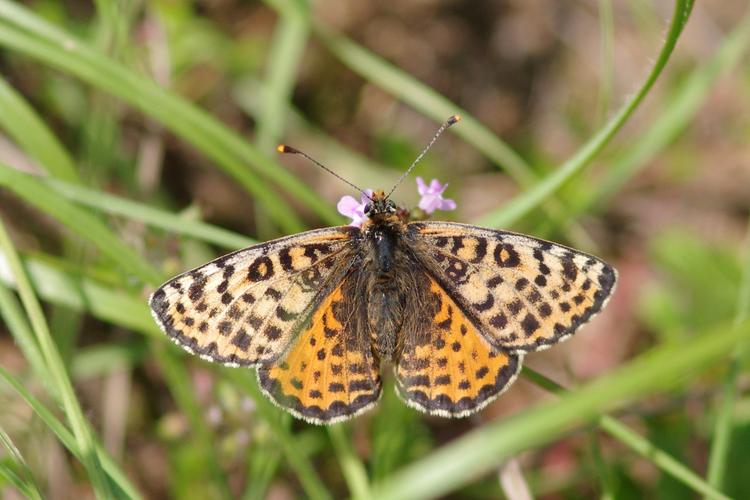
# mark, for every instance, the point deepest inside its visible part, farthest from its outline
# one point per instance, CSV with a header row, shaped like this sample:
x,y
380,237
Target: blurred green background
x,y
137,140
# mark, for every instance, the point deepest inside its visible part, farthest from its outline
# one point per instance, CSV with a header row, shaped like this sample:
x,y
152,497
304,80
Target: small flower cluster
x,y
431,199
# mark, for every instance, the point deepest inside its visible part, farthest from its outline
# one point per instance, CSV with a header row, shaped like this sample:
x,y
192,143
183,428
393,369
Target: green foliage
x,y
101,236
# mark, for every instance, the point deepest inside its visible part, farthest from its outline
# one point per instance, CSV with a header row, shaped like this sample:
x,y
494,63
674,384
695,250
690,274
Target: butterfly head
x,y
380,207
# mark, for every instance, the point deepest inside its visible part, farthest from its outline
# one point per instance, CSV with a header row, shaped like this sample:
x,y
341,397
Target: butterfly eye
x,y
368,208
390,206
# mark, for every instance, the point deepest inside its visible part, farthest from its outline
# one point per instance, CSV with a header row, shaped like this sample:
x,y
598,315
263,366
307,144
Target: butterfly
x,y
453,307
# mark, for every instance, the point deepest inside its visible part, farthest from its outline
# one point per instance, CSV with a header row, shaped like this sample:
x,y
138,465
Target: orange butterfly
x,y
453,307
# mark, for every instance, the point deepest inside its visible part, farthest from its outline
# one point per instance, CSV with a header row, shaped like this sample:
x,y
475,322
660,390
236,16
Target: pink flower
x,y
432,196
348,206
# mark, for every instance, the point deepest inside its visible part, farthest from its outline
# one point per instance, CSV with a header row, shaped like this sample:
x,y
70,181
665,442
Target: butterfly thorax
x,y
384,264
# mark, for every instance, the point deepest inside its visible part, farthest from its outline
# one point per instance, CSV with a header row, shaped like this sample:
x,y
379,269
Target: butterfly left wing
x,y
522,293
245,308
330,373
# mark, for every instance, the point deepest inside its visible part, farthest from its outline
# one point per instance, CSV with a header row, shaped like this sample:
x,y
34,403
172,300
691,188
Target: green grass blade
x,y
284,57
312,484
35,192
602,469
80,293
79,425
152,99
250,96
87,295
68,440
636,443
676,114
525,202
16,323
90,228
425,100
434,105
176,375
25,126
352,467
262,465
663,460
480,451
718,455
115,205
23,480
231,152
607,28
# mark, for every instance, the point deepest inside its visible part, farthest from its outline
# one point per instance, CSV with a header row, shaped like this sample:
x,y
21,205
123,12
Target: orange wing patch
x,y
451,371
329,374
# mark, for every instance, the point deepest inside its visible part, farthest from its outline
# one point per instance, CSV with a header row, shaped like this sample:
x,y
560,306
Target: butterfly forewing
x,y
246,307
449,369
523,294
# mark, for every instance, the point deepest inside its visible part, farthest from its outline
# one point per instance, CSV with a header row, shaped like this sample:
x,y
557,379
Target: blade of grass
x,y
176,374
607,28
80,221
351,466
15,321
119,479
25,126
262,464
434,105
425,100
100,301
79,425
93,230
284,57
314,487
153,100
602,470
676,114
104,359
76,291
480,451
249,95
636,443
519,206
154,217
288,43
22,31
26,484
717,461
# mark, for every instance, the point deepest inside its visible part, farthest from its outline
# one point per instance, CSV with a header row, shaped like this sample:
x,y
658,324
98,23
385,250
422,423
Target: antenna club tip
x,y
283,148
280,148
454,119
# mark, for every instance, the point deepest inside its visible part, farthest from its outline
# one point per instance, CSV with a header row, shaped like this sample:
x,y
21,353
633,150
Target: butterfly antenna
x,y
283,148
451,121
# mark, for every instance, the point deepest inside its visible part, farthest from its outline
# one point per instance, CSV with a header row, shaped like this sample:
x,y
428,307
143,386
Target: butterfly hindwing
x,y
330,372
448,369
244,308
524,294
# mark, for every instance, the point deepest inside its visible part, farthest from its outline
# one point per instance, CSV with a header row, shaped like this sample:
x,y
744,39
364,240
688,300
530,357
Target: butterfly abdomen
x,y
384,265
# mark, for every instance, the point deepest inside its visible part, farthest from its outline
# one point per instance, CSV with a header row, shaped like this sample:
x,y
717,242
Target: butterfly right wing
x,y
245,308
446,367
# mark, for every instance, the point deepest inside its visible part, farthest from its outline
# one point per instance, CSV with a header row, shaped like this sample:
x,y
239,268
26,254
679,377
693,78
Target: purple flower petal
x,y
348,206
421,186
432,196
